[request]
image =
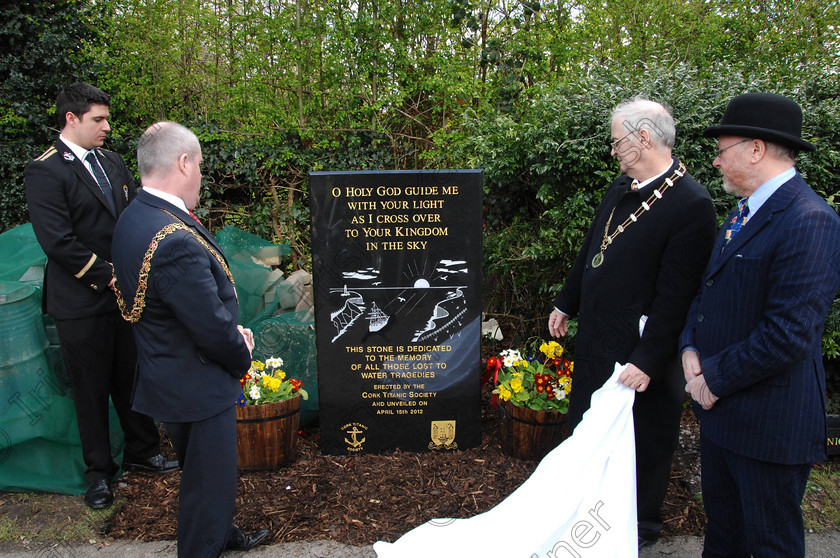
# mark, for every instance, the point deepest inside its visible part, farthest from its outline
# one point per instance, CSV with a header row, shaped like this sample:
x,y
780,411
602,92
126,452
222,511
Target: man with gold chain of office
x,y
631,286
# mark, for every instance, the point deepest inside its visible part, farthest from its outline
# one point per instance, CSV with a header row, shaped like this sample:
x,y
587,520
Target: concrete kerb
x,y
822,545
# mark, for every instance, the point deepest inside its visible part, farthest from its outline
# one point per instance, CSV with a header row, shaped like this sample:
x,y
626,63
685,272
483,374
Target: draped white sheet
x,y
579,502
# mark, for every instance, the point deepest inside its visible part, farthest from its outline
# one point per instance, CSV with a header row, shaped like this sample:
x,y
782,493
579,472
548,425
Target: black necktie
x,y
101,180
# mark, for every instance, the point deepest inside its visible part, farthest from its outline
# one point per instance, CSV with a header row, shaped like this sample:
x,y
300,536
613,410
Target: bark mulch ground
x,y
360,499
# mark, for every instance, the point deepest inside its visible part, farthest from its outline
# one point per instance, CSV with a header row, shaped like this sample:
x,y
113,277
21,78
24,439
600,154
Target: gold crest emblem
x,y
443,435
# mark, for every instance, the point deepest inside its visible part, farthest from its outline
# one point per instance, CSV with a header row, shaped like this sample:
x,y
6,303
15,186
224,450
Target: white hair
x,y
640,113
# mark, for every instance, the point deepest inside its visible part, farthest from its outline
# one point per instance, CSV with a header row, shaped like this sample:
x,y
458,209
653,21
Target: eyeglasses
x,y
614,144
722,149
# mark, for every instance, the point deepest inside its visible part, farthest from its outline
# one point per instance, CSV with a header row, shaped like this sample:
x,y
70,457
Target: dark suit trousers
x,y
753,506
101,360
656,421
207,454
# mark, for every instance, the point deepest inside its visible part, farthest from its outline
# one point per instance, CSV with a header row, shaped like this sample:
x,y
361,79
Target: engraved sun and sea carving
x,y
427,298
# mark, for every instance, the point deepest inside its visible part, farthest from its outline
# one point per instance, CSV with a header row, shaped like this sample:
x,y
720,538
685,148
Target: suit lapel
x,y
751,232
83,174
195,224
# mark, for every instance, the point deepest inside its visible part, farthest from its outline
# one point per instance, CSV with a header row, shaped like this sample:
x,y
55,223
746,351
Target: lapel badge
x,y
125,191
69,156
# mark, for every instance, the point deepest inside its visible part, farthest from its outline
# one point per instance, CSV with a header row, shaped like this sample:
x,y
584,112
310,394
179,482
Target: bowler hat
x,y
762,116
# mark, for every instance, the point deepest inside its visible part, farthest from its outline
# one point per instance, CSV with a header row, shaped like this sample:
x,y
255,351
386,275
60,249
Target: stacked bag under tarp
x,y
39,438
277,308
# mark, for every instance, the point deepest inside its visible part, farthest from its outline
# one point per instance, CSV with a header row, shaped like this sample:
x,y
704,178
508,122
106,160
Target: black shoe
x,y
238,540
99,495
643,542
156,464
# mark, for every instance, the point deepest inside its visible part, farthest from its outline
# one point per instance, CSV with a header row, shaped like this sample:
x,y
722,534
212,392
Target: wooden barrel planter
x,y
266,435
529,434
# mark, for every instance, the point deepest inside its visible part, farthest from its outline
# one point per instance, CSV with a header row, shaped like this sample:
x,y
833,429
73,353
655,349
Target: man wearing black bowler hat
x,y
751,347
75,191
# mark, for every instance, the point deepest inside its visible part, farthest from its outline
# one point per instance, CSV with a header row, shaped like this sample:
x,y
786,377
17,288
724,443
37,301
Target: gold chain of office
x,y
146,266
598,258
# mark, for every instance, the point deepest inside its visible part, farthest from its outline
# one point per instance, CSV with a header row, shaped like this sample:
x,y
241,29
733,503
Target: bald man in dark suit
x,y
180,297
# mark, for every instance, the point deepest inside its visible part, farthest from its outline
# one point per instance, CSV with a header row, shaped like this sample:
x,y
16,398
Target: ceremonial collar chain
x,y
598,259
133,315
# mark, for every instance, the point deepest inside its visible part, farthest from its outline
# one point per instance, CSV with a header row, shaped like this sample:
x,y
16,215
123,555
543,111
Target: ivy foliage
x,y
45,45
522,90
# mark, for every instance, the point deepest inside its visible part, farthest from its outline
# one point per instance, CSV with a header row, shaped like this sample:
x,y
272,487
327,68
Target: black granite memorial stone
x,y
397,284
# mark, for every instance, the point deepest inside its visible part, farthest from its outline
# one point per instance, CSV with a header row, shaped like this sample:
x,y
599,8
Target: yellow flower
x,y
551,349
504,393
516,385
280,374
566,383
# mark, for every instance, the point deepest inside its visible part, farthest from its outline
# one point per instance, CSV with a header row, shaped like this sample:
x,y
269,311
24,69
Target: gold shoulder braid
x,y
143,279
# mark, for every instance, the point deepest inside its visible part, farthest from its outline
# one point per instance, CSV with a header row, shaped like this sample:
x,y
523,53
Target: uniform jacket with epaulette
x,y
74,225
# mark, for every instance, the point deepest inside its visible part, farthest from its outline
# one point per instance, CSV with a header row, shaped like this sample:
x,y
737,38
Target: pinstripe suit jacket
x,y
757,324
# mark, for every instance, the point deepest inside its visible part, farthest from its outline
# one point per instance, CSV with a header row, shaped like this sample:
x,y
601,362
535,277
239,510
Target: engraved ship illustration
x,y
378,319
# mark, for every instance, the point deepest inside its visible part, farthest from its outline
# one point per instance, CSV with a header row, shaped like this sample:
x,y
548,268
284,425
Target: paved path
x,y
825,545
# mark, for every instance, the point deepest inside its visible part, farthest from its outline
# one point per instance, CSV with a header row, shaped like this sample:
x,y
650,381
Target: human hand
x,y
634,378
701,393
691,364
558,323
248,336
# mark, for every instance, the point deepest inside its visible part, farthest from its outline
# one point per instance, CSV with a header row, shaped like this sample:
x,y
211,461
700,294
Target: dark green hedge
x,y
547,164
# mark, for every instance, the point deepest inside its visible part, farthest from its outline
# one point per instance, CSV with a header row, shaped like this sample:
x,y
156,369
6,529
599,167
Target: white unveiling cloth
x,y
579,502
